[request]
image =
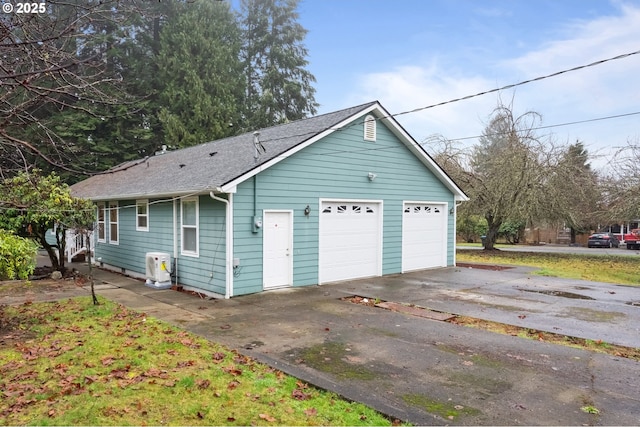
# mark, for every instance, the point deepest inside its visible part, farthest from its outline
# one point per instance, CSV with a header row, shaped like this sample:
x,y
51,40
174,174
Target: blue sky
x,y
409,54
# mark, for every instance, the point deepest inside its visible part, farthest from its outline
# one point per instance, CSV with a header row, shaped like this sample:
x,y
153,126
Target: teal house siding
x,y
335,167
380,191
206,272
132,246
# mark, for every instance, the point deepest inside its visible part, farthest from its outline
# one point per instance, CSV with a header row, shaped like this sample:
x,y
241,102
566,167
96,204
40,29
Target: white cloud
x,y
606,89
405,88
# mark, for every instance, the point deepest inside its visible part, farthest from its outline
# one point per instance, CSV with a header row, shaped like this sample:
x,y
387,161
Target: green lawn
x,y
621,269
72,363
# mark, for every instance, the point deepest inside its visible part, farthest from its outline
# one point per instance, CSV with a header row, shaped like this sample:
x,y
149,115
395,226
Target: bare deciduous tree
x,y
508,175
49,62
622,185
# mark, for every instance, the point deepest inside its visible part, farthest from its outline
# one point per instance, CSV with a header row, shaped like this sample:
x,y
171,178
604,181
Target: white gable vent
x,y
369,128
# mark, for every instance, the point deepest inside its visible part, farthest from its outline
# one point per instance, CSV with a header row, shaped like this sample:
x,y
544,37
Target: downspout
x,y
455,228
175,241
228,292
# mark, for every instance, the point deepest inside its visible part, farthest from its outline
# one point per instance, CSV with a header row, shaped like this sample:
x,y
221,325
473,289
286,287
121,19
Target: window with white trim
x,y
369,128
114,226
142,215
102,237
189,226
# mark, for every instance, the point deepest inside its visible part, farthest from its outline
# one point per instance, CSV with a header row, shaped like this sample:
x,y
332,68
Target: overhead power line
x,y
597,119
510,86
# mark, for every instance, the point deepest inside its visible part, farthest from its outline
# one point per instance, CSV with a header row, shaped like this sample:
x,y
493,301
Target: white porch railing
x,y
76,243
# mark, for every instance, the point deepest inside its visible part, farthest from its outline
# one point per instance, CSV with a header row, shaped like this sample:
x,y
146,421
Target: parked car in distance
x,y
603,240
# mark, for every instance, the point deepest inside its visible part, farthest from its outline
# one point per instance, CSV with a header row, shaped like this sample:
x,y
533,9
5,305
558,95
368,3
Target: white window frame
x,y
370,128
145,204
102,208
184,252
113,207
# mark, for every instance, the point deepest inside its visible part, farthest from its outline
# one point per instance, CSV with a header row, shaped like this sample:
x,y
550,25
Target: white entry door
x,y
424,235
277,249
350,240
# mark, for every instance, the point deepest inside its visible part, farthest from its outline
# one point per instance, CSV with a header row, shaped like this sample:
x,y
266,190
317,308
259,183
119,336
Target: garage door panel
x,y
424,236
350,243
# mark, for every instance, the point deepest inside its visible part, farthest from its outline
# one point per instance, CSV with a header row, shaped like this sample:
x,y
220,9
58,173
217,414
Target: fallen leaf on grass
x,y
107,360
231,369
300,395
90,379
185,363
202,384
242,359
267,417
310,412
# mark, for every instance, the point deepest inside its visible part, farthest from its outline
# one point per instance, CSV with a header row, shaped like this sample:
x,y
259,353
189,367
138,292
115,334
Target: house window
x,y
101,222
189,226
369,128
113,223
142,215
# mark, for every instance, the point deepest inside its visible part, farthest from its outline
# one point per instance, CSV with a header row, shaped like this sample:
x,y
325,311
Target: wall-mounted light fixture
x,y
371,176
307,211
451,211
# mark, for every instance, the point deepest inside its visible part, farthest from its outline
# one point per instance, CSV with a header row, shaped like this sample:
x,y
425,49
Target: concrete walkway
x,y
425,371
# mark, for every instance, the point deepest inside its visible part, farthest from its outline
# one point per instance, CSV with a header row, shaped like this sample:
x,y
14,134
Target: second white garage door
x,y
350,240
424,235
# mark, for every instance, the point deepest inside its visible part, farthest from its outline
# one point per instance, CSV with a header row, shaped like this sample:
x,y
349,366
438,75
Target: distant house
x,y
339,196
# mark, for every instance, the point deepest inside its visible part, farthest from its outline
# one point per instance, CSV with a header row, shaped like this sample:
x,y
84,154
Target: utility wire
x,y
553,126
510,86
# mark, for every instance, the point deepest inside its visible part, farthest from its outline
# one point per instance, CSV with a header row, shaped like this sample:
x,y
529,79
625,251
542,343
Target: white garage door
x,y
424,236
350,240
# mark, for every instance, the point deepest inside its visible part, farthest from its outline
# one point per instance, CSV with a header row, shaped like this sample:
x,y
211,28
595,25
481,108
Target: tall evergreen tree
x,y
279,87
199,74
580,199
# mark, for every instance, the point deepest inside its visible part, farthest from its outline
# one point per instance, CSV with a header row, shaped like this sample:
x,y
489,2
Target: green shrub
x,y
17,256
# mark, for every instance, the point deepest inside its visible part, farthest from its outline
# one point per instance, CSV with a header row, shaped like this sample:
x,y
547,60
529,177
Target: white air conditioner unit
x,y
158,270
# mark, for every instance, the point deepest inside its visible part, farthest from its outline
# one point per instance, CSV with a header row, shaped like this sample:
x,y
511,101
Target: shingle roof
x,y
207,166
